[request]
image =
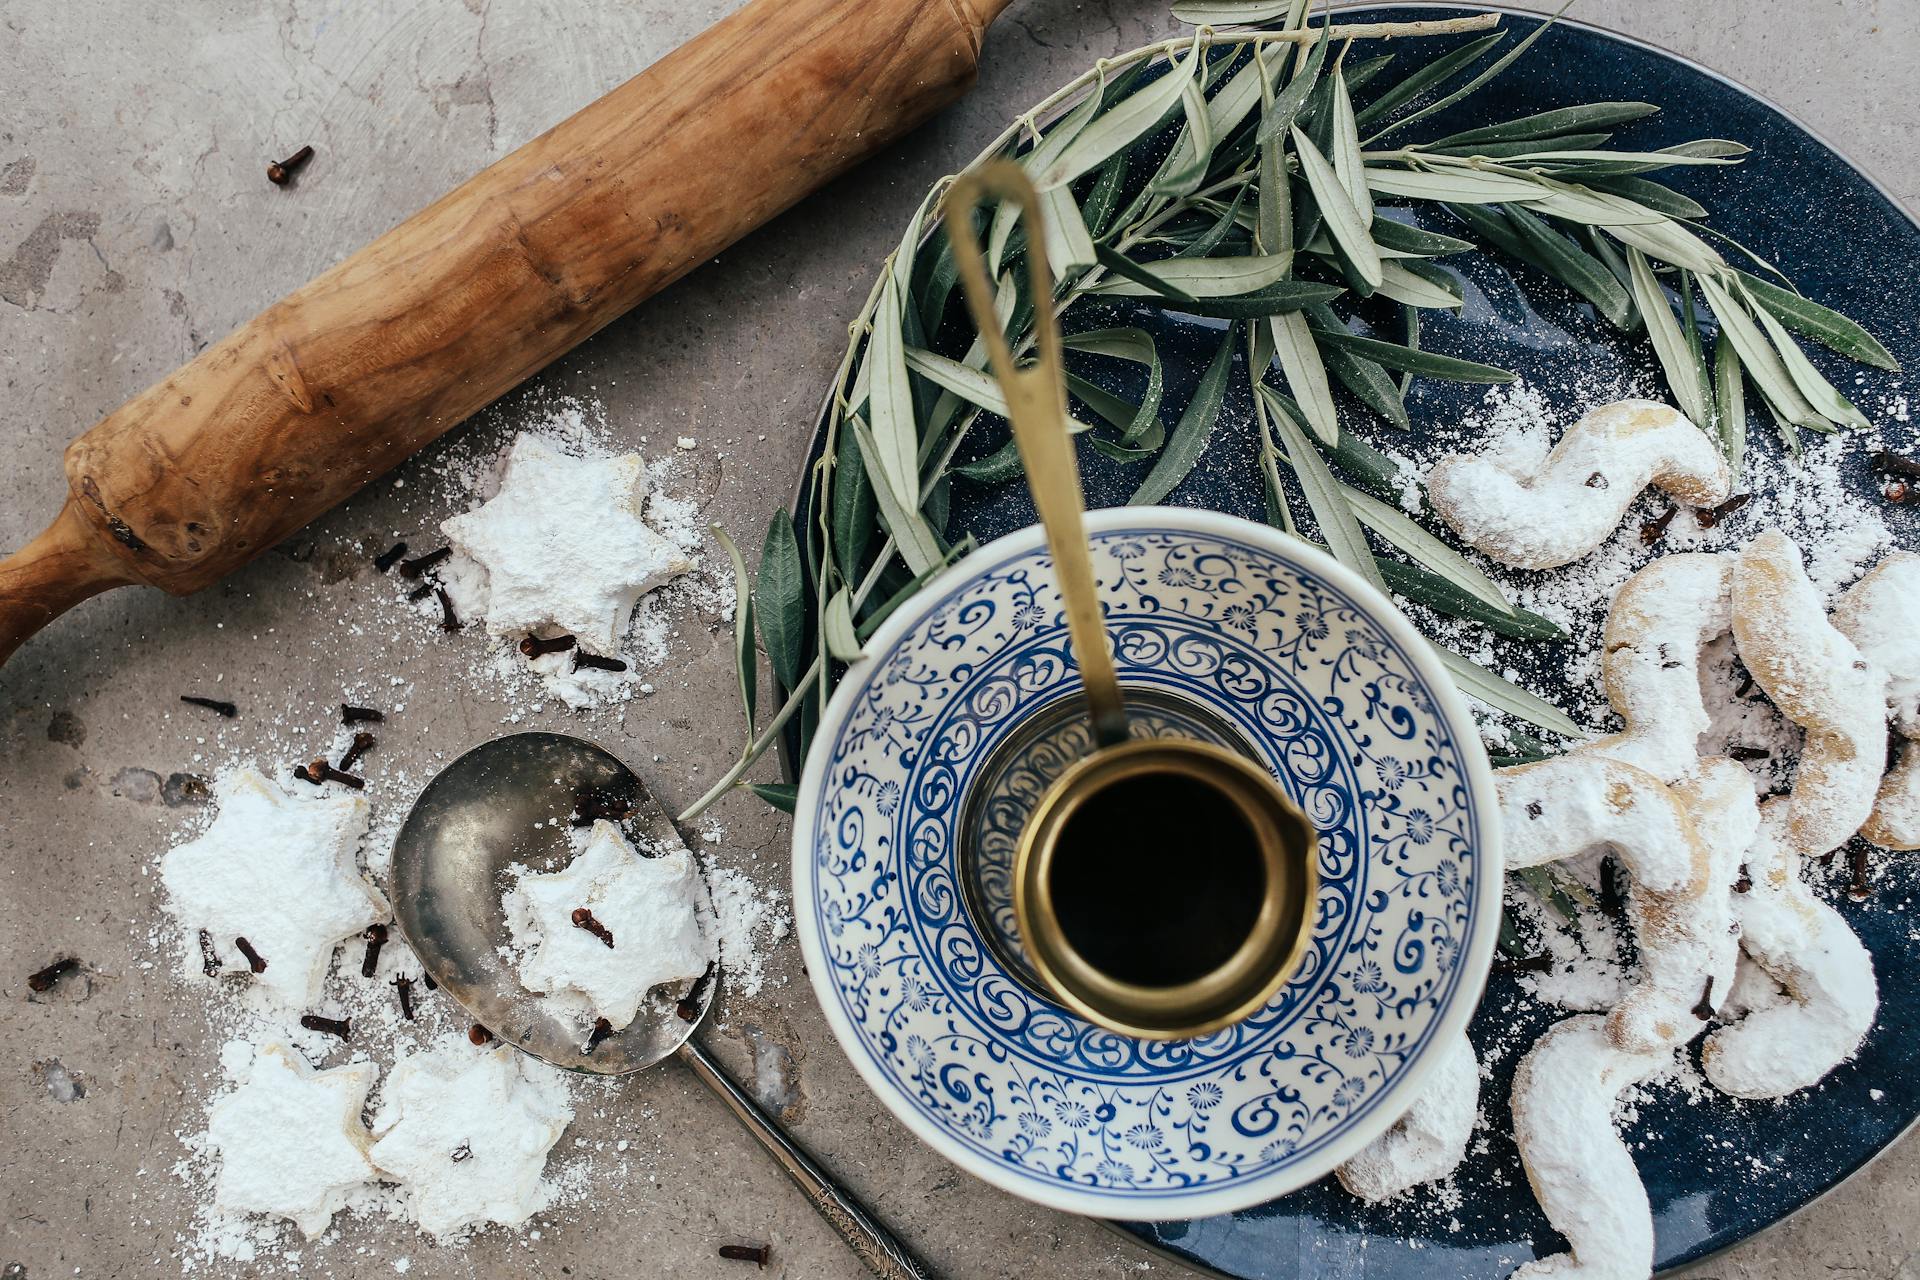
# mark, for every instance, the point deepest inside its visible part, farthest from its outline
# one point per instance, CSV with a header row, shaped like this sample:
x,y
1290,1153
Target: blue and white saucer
x,y
1309,669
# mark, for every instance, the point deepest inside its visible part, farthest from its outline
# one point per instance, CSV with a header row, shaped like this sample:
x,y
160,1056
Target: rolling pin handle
x,y
56,571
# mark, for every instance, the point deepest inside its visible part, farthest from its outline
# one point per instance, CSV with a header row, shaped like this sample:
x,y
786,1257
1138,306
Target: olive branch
x,y
1264,177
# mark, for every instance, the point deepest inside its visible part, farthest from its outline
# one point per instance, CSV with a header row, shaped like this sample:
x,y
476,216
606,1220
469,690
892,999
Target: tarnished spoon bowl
x,y
507,802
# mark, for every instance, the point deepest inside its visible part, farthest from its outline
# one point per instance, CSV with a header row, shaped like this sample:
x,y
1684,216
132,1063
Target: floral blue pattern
x,y
1018,1089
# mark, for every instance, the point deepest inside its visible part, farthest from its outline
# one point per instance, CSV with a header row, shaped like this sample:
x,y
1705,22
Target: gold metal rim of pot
x,y
1248,978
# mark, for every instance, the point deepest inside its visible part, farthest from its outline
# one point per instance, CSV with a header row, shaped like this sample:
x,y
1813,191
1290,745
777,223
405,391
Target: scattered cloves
x,y
1714,515
332,1026
583,919
581,658
1651,531
390,557
449,620
350,714
539,647
361,743
225,710
255,961
601,1030
420,564
45,978
755,1253
281,172
209,958
403,985
376,939
478,1034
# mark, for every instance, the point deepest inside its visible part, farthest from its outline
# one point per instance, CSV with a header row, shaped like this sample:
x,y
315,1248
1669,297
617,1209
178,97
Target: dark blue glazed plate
x,y
1717,1171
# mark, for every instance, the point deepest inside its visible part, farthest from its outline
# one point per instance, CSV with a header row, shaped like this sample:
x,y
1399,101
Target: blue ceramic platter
x,y
1717,1171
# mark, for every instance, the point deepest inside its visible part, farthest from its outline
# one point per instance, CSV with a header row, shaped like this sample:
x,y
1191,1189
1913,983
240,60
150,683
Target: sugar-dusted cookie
x,y
1881,615
1564,1094
291,1141
466,1133
1660,620
1554,514
278,870
1427,1142
1677,903
641,929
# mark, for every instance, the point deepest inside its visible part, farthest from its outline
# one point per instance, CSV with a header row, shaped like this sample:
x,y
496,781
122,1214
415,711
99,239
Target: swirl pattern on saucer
x,y
1330,701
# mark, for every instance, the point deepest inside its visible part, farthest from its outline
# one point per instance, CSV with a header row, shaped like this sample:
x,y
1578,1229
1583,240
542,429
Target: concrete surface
x,y
135,225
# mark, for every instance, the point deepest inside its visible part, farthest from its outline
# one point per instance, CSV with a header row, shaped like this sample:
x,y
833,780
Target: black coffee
x,y
1157,879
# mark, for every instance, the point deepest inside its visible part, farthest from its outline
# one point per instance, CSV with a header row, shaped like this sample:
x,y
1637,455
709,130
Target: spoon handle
x,y
1037,408
876,1246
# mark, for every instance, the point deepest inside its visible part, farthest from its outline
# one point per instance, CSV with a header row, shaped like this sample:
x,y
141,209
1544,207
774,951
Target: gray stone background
x,y
136,225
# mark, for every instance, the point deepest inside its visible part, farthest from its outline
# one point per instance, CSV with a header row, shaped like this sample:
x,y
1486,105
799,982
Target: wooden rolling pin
x,y
346,377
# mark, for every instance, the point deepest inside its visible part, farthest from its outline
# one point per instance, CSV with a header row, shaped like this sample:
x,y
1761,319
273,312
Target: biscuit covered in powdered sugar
x,y
1881,615
1426,1143
564,544
291,1141
277,869
1552,514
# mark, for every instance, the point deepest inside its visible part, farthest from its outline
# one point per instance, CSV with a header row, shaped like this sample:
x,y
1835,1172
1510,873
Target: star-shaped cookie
x,y
646,930
564,545
278,870
466,1133
290,1139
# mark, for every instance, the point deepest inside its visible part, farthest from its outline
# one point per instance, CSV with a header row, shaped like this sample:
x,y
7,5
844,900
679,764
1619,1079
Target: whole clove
x,y
601,1030
1651,531
45,978
687,1009
1714,515
420,564
537,647
1704,1010
361,743
478,1034
1750,753
462,1152
426,976
306,774
583,919
1745,883
1897,491
403,985
281,172
376,939
390,557
320,771
209,958
420,592
225,710
449,620
350,715
1859,884
581,658
755,1253
332,1026
1890,463
255,961
591,806
1540,963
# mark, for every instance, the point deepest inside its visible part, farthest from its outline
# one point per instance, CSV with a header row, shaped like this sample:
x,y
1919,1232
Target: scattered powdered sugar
x,y
748,922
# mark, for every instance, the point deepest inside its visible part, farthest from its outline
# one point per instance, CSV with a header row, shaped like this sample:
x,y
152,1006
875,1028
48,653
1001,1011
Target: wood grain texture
x,y
348,376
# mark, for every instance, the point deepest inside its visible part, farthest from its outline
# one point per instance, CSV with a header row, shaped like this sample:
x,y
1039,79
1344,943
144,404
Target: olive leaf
x,y
852,519
899,514
1730,402
895,452
1823,324
1546,124
1189,436
1393,525
783,796
1410,286
779,601
1192,279
1120,125
746,665
1306,373
1452,186
1819,393
1757,356
1418,82
1443,596
836,624
1279,114
1323,493
1137,346
1429,364
1669,344
1503,695
1344,220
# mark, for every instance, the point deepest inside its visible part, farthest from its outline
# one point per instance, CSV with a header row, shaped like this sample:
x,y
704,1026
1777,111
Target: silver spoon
x,y
510,801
